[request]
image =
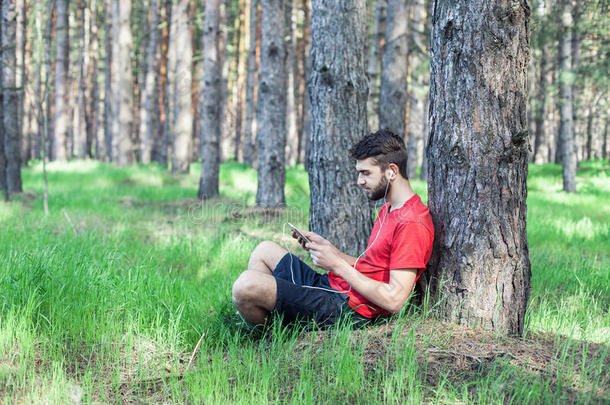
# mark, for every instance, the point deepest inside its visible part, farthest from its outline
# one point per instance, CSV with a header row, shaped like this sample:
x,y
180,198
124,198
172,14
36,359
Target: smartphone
x,y
294,228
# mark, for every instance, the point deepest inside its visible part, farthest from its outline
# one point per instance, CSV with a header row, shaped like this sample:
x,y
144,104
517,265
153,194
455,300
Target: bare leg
x,y
254,294
266,256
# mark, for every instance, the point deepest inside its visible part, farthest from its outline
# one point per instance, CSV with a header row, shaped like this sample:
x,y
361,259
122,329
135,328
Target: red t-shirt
x,y
404,242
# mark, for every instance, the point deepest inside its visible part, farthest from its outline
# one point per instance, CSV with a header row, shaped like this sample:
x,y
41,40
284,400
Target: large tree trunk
x,y
123,91
478,153
394,69
566,99
146,120
251,84
374,64
10,97
271,107
3,185
182,85
338,90
210,109
62,116
418,90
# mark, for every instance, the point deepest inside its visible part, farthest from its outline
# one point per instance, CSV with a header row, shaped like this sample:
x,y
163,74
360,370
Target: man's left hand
x,y
323,253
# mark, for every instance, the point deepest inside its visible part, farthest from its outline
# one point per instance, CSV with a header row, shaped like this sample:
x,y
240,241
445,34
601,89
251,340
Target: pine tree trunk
x,y
478,153
164,93
80,139
10,97
238,90
182,85
418,91
20,78
271,107
292,138
225,111
251,85
62,88
146,120
123,92
93,139
108,82
374,65
566,99
210,109
3,185
541,143
394,68
338,90
303,46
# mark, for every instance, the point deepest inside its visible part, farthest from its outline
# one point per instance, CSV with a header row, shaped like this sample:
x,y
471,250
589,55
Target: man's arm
x,y
391,296
312,235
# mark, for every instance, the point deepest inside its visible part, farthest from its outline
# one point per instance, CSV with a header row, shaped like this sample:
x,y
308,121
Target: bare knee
x,y
266,255
252,288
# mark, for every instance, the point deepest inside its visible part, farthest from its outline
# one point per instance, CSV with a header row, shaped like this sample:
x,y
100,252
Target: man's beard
x,y
380,190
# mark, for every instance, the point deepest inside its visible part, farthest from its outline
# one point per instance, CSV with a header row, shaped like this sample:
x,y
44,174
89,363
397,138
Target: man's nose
x,y
361,181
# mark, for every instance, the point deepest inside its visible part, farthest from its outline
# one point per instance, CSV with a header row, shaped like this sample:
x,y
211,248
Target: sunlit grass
x,y
111,292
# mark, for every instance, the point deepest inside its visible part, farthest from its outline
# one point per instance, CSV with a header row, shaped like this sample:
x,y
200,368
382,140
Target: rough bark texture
x,y
182,85
271,106
338,90
123,92
3,187
10,97
478,152
566,99
147,118
60,139
418,90
394,68
374,65
251,85
209,110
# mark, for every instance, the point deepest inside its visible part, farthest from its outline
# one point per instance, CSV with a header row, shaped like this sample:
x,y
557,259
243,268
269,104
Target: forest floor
x,y
105,300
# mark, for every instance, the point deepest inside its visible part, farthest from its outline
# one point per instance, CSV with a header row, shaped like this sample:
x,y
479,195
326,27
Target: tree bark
x,y
123,92
210,109
541,143
10,97
251,84
271,107
292,137
146,120
20,78
338,90
394,68
3,185
374,65
108,82
566,99
62,88
80,139
303,63
478,153
418,90
239,91
182,85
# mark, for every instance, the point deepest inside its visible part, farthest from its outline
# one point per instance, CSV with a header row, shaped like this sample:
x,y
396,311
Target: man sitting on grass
x,y
377,283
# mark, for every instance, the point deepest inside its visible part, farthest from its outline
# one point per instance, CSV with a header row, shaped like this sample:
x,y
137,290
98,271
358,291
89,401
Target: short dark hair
x,y
384,147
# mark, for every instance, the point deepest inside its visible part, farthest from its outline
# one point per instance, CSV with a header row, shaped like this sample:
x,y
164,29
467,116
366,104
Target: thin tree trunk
x,y
251,84
123,91
93,140
566,99
394,70
20,77
541,143
238,91
338,91
147,117
418,90
271,108
10,97
108,82
80,139
62,82
478,155
225,111
292,139
210,108
182,86
374,65
164,114
303,45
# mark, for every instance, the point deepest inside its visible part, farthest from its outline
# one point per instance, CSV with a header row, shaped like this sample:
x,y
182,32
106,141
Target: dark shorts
x,y
305,295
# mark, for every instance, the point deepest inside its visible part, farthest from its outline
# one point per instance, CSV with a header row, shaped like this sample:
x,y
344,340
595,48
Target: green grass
x,y
106,298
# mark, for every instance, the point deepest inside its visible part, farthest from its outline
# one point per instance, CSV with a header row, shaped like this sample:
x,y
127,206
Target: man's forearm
x,y
387,296
349,259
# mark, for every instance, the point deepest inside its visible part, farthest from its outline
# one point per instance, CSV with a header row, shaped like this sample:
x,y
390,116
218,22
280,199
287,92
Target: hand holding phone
x,y
299,234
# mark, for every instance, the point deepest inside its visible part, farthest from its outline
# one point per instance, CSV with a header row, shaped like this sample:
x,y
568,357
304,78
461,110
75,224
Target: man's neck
x,y
400,192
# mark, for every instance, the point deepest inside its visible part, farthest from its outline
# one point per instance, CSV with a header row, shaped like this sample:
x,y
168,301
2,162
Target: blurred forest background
x,y
125,81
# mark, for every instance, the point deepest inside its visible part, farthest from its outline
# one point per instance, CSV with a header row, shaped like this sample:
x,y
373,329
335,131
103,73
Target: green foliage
x,y
112,291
